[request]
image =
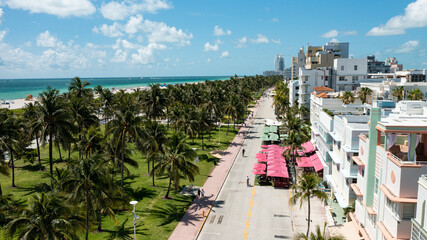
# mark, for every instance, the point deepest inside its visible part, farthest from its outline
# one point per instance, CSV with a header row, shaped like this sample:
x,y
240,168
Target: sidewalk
x,y
192,221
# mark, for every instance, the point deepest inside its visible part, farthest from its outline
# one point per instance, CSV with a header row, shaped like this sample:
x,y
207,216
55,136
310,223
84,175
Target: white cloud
x,y
260,39
60,8
334,40
349,33
119,10
225,54
331,34
275,20
109,30
156,32
45,39
335,33
145,54
210,47
1,14
208,60
242,41
276,41
220,32
2,34
166,59
415,16
407,47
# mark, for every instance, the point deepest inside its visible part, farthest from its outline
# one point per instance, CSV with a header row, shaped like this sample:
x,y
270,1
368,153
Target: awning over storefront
x,y
317,164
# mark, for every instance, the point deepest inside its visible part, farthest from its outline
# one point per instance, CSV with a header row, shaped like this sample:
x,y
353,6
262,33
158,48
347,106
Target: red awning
x,y
304,162
308,147
282,174
258,172
259,166
317,164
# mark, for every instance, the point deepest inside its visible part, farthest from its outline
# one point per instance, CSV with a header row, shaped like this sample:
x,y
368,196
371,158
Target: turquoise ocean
x,y
20,88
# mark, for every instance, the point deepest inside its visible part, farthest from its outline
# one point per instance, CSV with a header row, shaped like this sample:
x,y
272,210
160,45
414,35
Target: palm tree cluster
x,y
95,132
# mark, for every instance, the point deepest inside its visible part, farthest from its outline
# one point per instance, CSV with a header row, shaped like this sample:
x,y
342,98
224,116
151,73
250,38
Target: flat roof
x,y
407,122
359,126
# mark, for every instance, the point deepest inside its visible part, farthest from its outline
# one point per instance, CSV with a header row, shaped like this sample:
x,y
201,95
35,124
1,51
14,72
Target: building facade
x,y
392,156
419,224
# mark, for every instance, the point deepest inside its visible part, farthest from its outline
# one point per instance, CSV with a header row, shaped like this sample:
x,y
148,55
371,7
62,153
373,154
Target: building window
x,y
342,78
393,206
342,68
354,78
376,185
371,218
408,211
355,67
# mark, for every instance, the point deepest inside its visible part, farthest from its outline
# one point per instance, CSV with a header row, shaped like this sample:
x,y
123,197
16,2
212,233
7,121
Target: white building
x,y
392,157
307,80
297,63
345,145
419,224
349,72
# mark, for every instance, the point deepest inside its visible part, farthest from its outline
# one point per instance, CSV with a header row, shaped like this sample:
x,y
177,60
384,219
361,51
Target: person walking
x,y
247,181
198,192
243,152
203,192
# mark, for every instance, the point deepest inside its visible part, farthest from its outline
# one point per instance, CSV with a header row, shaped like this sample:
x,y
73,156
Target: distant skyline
x,y
87,38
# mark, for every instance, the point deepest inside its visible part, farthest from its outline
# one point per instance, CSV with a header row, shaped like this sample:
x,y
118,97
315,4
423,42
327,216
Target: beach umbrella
x,y
281,174
260,166
258,172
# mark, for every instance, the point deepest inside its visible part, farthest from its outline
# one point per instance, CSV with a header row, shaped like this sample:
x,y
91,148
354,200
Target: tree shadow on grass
x,y
36,188
169,213
123,232
32,167
142,192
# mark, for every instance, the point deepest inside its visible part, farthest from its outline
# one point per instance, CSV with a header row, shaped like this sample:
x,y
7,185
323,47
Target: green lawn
x,y
157,224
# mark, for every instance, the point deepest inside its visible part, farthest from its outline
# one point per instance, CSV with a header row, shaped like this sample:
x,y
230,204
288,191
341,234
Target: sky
x,y
121,38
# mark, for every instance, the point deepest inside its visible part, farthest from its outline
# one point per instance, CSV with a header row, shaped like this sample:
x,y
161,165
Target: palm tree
x,y
53,119
78,88
306,188
153,141
88,182
416,94
319,235
48,216
30,114
9,137
177,161
125,126
364,94
3,170
348,97
399,93
155,102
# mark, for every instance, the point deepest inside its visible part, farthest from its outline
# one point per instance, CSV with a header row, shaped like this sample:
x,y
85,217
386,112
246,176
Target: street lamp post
x,y
133,203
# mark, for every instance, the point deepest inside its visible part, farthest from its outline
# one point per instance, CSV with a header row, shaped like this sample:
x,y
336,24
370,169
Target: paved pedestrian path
x,y
193,219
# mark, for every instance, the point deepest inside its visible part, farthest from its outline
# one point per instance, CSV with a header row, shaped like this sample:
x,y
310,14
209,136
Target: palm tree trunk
x,y
1,192
169,187
59,151
228,126
87,215
152,162
123,161
69,152
308,221
148,164
50,154
99,221
202,142
38,151
13,167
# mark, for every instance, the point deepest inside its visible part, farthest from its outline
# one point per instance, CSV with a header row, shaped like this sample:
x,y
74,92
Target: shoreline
x,y
20,103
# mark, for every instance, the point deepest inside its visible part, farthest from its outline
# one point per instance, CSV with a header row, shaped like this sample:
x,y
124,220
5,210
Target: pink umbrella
x,y
258,172
264,146
261,154
277,168
262,160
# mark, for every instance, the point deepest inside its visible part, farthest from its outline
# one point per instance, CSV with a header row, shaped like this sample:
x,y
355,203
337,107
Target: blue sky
x,y
88,38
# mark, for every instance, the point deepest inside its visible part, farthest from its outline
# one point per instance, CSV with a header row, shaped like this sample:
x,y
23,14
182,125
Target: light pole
x,y
133,203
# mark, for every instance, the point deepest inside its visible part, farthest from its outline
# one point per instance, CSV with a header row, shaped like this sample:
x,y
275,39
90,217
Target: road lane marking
x,y
290,196
248,219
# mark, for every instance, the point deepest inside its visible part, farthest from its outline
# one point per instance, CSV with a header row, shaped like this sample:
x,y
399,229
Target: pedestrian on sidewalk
x,y
203,192
243,152
198,192
247,181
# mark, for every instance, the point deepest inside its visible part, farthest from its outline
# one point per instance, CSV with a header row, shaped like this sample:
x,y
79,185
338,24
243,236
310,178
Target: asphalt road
x,y
249,212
